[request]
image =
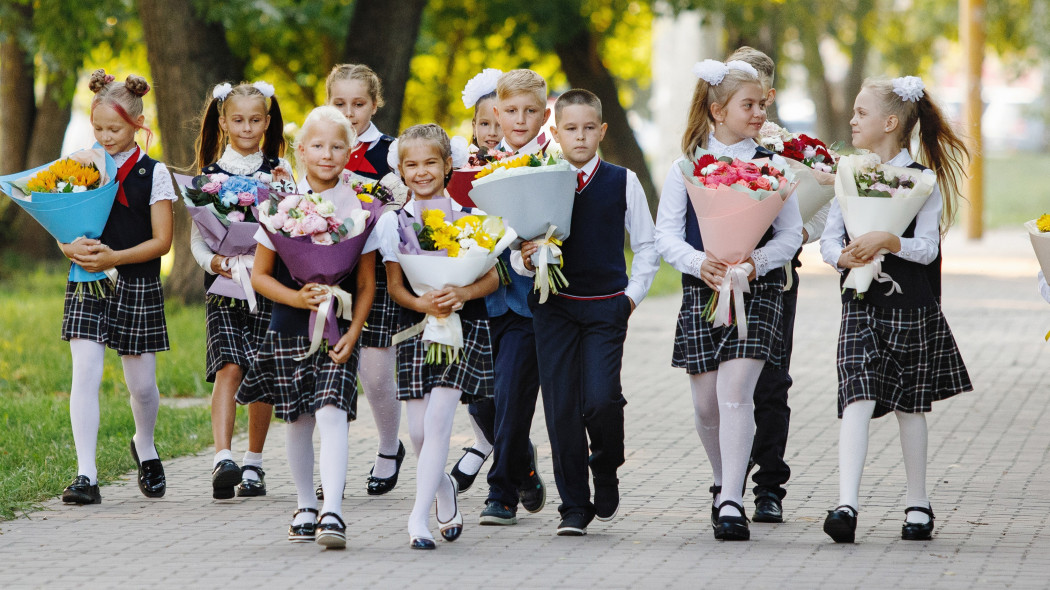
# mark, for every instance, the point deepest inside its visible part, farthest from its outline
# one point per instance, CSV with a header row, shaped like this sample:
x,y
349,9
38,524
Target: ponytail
x,y
698,126
212,139
209,140
943,150
273,144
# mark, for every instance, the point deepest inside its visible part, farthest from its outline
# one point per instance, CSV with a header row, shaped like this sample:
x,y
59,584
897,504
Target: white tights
x,y
333,427
723,403
430,426
853,450
379,381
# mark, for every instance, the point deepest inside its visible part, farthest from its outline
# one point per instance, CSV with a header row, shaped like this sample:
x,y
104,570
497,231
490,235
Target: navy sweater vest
x,y
593,252
130,225
376,156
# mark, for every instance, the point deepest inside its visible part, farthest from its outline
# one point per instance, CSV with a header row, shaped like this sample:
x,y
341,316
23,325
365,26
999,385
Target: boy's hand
x,y
340,353
310,296
527,250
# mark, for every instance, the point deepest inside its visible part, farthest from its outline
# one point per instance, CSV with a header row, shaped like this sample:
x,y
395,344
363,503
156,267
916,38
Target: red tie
x,y
358,162
122,173
579,181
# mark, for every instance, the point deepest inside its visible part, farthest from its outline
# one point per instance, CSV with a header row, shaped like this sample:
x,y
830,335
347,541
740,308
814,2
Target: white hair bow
x,y
264,87
480,85
909,88
221,91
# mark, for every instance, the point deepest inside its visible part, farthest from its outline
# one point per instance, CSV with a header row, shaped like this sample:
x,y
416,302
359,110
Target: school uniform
x,y
130,319
581,330
897,349
472,373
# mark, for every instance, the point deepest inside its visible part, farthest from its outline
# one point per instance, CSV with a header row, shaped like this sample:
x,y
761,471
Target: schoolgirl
x,y
895,351
434,391
726,114
356,91
320,390
253,133
129,318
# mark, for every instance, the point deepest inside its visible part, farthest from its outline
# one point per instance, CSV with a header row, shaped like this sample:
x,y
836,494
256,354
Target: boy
x,y
583,328
521,110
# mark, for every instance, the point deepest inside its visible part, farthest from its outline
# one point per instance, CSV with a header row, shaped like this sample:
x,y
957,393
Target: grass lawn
x,y
1015,189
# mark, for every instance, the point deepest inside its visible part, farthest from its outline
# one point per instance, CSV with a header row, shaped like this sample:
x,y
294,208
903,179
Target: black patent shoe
x,y
732,528
918,531
422,543
453,527
465,480
768,508
81,492
151,475
303,533
252,487
377,486
224,476
841,524
331,535
715,490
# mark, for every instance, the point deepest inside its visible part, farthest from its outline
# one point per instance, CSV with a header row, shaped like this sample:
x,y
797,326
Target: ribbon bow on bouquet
x,y
731,297
548,261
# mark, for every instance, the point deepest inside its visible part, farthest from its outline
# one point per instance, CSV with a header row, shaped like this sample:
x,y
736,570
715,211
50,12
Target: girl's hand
x,y
216,266
865,247
712,271
848,260
527,250
340,353
754,269
310,296
451,298
101,258
79,247
428,305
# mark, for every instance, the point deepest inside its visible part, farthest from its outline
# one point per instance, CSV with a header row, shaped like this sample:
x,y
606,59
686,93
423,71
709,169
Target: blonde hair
x,y
426,132
940,147
356,72
701,122
326,115
517,82
762,63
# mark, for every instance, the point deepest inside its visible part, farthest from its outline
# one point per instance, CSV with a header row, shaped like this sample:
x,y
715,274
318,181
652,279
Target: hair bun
x,y
136,85
99,80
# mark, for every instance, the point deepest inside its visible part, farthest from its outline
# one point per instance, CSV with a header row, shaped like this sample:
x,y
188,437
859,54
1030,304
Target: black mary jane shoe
x,y
303,533
252,487
377,486
465,480
732,528
152,483
422,543
841,524
224,478
918,531
453,527
715,490
331,535
80,491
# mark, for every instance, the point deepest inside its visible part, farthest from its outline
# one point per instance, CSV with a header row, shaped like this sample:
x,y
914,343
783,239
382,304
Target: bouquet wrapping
x,y
735,203
320,237
1039,234
462,180
809,158
877,197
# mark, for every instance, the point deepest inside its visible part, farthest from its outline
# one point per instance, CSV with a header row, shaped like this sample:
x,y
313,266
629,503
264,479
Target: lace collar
x,y
239,165
122,157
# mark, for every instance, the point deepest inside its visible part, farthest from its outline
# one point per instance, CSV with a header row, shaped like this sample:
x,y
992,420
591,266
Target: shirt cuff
x,y
518,264
761,262
696,262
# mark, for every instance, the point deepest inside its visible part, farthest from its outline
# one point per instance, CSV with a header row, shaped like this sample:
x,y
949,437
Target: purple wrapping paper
x,y
235,240
410,241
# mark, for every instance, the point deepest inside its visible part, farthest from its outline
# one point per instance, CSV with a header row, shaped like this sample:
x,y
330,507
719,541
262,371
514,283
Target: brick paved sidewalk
x,y
988,479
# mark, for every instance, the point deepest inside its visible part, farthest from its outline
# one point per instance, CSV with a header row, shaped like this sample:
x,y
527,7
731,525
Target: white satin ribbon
x,y
111,274
343,308
240,268
731,292
447,330
882,277
548,251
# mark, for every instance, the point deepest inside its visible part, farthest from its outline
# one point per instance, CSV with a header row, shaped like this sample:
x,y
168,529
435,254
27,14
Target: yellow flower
x,y
484,239
469,222
43,182
434,218
365,197
68,171
1044,222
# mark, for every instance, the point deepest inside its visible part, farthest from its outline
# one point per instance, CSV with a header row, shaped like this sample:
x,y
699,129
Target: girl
x,y
130,318
727,112
320,390
240,116
434,391
896,352
356,91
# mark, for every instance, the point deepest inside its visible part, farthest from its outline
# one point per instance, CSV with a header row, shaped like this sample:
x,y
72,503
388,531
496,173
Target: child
x,y
584,327
727,112
321,389
241,116
130,318
896,352
356,91
521,111
434,391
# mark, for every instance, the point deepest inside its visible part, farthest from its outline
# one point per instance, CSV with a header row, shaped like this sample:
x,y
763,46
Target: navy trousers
x,y
772,413
580,352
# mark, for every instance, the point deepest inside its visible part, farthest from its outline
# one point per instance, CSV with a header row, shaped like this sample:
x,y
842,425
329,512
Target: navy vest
x,y
920,283
376,156
693,238
294,321
128,226
593,252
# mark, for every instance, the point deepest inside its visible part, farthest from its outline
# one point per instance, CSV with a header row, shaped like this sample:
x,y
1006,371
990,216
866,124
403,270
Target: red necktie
x,y
358,162
122,173
579,181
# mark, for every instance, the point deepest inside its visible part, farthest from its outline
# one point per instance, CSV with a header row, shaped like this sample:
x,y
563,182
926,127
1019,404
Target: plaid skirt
x,y
903,359
295,388
382,318
472,374
130,319
699,345
234,333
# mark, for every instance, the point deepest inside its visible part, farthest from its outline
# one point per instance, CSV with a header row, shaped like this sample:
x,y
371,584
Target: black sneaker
x,y
252,487
606,497
497,514
532,493
573,524
224,476
81,492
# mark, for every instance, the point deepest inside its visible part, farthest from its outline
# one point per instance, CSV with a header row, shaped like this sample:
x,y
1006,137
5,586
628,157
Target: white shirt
x,y
670,220
163,187
639,224
922,248
386,237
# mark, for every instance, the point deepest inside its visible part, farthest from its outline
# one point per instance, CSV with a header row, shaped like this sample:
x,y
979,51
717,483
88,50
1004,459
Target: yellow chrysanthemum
x,y
1044,222
469,222
365,197
484,239
434,218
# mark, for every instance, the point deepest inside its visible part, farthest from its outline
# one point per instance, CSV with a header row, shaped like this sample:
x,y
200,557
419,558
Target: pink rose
x,y
325,239
212,188
245,199
743,183
314,224
761,183
748,171
725,177
292,227
235,216
288,203
219,177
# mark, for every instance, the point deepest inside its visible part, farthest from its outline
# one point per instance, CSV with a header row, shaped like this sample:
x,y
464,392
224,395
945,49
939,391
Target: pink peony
x,y
307,206
761,183
235,216
314,223
288,203
277,220
748,171
324,238
291,226
245,199
212,187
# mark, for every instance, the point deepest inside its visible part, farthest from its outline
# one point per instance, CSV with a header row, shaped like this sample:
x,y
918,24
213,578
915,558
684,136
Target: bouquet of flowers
x,y
390,191
462,180
70,200
449,248
877,197
534,195
1039,234
813,162
320,237
735,203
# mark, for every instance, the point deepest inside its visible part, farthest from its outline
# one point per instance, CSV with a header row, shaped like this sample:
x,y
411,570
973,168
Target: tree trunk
x,y
858,63
387,49
819,88
187,56
583,66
